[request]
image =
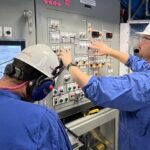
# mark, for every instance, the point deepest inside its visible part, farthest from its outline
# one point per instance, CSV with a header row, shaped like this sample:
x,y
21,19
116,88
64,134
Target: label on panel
x,y
89,2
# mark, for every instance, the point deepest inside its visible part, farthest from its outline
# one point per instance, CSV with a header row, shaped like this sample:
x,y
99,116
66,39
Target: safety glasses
x,y
144,39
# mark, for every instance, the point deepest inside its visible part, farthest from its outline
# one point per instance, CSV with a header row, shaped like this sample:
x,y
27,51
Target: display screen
x,y
8,50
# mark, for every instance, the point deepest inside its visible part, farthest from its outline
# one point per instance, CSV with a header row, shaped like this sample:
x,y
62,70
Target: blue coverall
x,y
131,95
27,126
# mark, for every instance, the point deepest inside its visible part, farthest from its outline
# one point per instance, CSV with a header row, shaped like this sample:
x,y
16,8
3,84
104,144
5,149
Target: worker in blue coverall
x,y
130,93
25,125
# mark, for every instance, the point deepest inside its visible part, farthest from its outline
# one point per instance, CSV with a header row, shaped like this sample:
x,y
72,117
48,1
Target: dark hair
x,y
29,72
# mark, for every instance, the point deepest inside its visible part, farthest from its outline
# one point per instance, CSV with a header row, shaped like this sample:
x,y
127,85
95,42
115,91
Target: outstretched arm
x,y
136,64
126,93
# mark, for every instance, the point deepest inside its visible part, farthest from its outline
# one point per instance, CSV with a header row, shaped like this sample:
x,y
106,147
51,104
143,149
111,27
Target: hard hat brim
x,y
143,33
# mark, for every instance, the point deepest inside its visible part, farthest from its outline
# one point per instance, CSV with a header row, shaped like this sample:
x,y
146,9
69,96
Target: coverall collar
x,y
9,94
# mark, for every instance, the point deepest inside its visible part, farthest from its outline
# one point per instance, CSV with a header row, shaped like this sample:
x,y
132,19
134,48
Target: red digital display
x,y
67,2
57,3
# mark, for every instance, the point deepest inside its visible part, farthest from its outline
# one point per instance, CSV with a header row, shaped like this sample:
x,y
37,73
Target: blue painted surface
x,y
135,4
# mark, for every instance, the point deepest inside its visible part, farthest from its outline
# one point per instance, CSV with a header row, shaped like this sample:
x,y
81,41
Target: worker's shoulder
x,y
37,108
13,103
37,113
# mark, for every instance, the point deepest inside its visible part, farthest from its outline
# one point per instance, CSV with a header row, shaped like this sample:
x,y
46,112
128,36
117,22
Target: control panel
x,y
75,32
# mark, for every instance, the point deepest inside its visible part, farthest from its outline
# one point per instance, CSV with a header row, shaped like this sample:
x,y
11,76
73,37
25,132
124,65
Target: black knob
x,y
8,32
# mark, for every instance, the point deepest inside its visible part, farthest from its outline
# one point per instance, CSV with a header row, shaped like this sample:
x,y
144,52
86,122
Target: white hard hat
x,y
146,31
40,57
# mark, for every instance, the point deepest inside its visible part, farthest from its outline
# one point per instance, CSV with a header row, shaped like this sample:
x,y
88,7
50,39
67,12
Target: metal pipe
x,y
139,7
146,11
129,11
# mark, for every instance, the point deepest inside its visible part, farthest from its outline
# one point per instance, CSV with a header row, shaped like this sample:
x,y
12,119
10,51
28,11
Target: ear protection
x,y
40,88
13,71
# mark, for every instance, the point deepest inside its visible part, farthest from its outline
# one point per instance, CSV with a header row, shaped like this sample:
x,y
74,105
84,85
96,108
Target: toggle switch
x,y
109,35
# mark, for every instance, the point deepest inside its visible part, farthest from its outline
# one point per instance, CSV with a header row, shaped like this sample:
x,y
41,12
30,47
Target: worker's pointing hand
x,y
99,48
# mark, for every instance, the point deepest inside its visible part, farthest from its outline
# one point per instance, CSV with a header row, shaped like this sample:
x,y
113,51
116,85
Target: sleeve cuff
x,y
88,84
129,62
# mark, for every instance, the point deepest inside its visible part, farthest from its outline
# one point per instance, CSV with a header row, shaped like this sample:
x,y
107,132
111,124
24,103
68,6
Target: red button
x,y
51,87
